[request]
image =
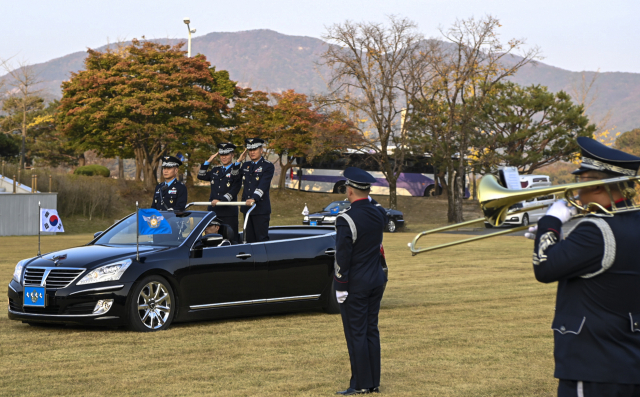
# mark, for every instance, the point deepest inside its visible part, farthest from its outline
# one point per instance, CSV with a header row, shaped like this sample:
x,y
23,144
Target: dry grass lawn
x,y
467,321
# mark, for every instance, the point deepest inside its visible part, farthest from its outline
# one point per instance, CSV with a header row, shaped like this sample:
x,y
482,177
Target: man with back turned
x,y
359,281
596,326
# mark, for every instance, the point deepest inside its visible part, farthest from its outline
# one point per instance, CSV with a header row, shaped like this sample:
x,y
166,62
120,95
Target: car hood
x,y
323,213
89,255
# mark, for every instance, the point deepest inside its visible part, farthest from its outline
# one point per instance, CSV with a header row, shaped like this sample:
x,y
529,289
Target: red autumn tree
x,y
293,127
149,98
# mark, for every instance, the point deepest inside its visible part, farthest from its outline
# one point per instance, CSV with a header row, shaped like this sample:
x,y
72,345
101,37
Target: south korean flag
x,y
50,221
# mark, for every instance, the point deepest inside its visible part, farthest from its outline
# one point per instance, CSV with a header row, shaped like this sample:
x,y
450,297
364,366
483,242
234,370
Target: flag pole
x,y
137,234
39,226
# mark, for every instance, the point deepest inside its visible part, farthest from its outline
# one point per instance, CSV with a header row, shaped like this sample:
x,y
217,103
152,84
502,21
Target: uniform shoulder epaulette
x,y
345,210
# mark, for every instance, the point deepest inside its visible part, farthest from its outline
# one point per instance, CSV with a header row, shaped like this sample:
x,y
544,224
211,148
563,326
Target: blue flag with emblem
x,y
334,210
150,221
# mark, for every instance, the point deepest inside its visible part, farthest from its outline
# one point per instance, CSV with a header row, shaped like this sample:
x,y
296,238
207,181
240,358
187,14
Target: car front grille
x,y
55,277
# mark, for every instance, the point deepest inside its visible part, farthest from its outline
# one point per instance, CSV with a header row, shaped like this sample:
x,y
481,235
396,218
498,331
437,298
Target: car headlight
x,y
17,273
329,219
306,218
110,272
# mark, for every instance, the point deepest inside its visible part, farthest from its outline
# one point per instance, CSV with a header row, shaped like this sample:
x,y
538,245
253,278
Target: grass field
x,y
466,321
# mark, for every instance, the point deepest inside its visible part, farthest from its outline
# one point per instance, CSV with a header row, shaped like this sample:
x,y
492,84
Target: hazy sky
x,y
574,35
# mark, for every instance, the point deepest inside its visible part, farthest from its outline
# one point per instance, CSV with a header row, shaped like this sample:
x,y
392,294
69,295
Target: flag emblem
x,y
153,221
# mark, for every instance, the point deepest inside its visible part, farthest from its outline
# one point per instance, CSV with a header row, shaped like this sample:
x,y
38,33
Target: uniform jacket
x,y
225,186
359,231
174,196
597,319
257,181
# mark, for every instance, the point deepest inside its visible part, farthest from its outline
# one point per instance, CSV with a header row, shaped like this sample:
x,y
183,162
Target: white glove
x,y
561,210
532,232
341,296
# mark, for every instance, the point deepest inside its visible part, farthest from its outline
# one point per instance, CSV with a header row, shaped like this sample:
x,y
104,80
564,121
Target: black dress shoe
x,y
350,392
374,390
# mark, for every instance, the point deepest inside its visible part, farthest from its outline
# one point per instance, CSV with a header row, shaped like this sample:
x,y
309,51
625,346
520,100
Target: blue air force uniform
x,y
358,271
225,186
256,178
170,195
597,318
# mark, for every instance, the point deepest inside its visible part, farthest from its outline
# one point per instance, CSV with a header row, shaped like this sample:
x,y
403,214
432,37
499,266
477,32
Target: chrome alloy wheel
x,y
391,226
154,305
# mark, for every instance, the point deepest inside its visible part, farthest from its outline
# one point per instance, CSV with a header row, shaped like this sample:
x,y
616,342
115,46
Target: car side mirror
x,y
96,234
210,240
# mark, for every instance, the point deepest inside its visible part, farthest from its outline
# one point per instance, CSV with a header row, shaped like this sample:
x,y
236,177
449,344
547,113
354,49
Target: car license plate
x,y
35,296
313,223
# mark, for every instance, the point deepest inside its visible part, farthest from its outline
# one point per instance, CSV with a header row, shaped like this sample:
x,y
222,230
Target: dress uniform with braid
x,y
169,196
597,316
359,274
225,186
256,177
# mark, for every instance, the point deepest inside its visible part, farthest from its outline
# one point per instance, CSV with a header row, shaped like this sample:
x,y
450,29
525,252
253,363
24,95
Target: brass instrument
x,y
495,201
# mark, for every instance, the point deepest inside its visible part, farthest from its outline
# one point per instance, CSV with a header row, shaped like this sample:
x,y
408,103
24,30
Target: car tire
x,y
488,225
391,226
152,305
340,188
525,220
332,306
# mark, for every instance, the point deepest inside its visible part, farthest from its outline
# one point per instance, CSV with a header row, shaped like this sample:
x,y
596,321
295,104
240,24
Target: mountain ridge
x,y
267,60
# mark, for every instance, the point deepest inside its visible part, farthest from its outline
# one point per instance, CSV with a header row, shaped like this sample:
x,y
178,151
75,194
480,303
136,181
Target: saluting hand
x,y
243,155
213,156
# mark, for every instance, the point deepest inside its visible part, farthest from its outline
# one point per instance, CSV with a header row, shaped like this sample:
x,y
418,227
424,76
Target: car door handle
x,y
242,255
330,251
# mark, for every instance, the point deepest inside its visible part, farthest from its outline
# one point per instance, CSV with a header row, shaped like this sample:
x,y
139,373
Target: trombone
x,y
495,201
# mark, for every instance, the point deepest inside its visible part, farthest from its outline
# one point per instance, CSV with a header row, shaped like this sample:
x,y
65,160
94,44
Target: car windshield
x,y
337,204
180,225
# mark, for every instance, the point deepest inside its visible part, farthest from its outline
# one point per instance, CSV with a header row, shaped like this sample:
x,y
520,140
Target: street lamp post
x,y
188,21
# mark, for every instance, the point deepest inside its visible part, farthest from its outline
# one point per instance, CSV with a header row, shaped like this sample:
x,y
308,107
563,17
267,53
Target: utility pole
x,y
188,21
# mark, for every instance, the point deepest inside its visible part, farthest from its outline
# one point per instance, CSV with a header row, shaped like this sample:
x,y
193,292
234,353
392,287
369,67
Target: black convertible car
x,y
328,216
182,276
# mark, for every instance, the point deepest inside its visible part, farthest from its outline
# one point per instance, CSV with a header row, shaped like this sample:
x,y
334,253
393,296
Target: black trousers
x,y
572,388
360,321
232,221
257,228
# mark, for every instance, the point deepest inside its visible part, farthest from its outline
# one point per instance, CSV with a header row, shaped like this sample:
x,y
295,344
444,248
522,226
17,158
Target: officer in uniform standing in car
x,y
596,325
359,280
171,194
225,185
256,176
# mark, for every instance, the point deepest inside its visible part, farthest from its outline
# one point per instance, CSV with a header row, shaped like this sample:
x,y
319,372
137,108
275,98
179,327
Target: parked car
x,y
327,216
182,276
529,216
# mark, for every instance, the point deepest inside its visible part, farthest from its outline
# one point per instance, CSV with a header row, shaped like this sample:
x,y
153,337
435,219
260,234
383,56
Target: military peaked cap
x,y
253,143
358,178
170,161
226,148
598,157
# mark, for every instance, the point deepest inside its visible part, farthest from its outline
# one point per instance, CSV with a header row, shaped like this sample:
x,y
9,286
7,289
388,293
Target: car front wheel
x,y
391,226
152,305
525,220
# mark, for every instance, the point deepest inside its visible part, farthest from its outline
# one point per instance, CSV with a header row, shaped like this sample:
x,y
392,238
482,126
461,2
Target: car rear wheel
x,y
332,306
432,191
391,226
152,305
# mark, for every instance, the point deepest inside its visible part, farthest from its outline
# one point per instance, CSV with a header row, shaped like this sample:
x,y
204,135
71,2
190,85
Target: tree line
x,y
392,93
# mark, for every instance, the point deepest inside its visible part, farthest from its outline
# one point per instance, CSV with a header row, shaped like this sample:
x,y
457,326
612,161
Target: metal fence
x,y
19,215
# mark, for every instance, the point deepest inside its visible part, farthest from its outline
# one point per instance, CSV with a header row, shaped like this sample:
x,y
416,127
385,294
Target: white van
x,y
525,218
